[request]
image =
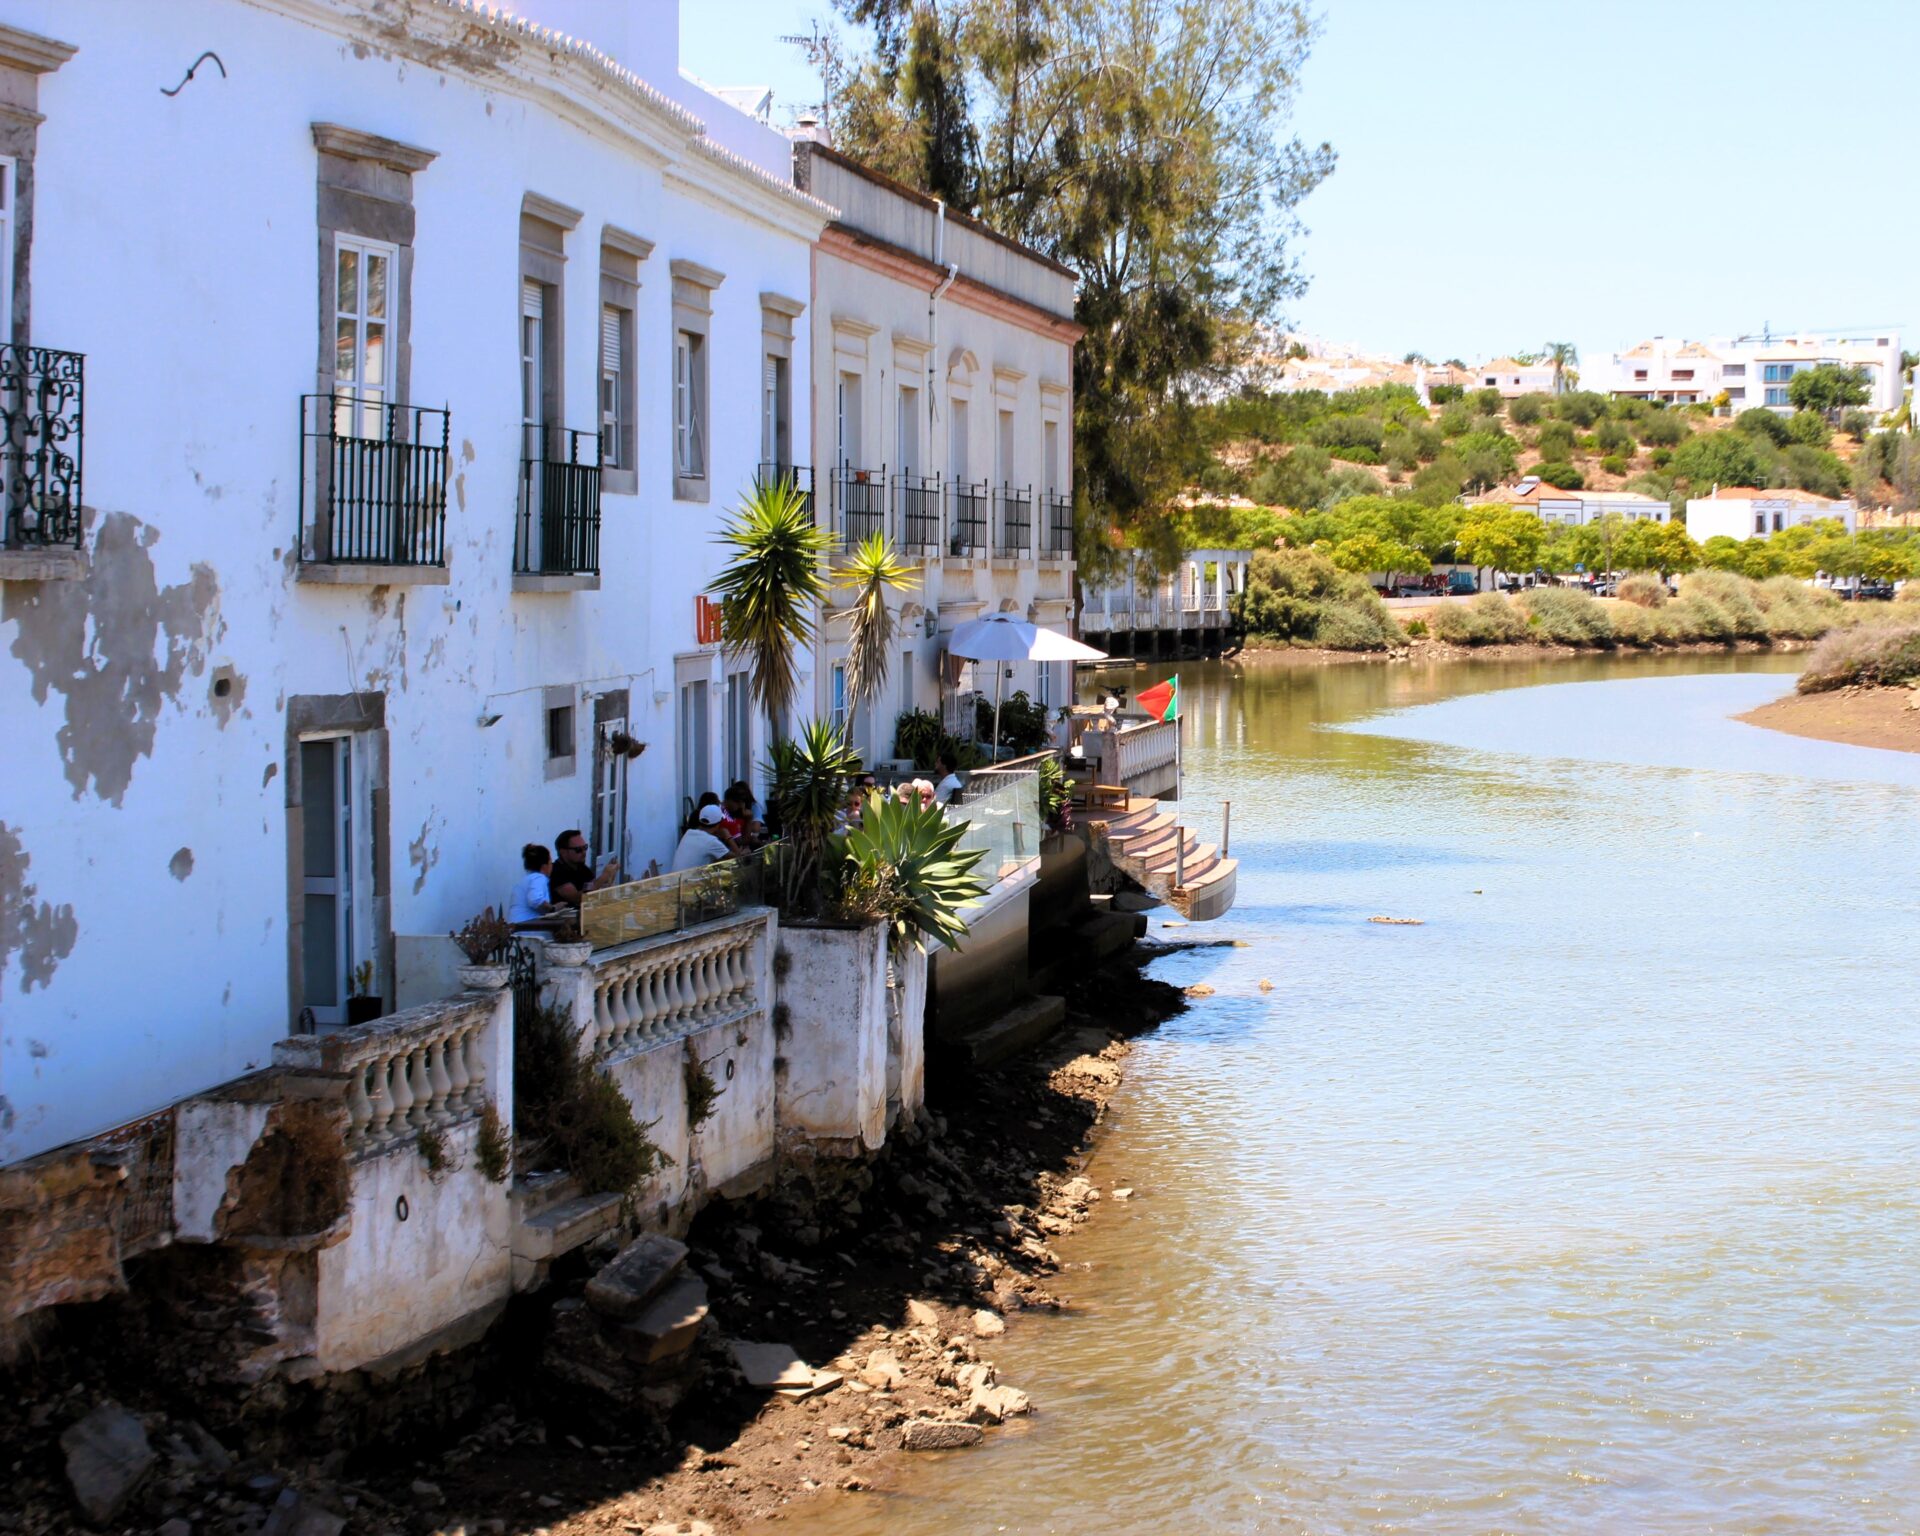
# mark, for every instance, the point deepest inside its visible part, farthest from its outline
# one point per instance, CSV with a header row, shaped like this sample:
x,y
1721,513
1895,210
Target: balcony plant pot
x,y
363,1010
574,952
483,978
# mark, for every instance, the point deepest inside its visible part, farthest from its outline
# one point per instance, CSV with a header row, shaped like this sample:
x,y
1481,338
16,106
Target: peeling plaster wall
x,y
832,1080
145,825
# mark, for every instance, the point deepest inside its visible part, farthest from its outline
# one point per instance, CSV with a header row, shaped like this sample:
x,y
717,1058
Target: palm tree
x,y
770,587
1563,355
872,571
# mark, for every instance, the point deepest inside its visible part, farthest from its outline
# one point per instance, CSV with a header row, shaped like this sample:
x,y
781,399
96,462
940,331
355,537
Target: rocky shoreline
x,y
1259,653
880,1287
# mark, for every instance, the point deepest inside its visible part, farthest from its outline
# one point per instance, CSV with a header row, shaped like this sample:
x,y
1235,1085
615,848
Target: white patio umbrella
x,y
1000,637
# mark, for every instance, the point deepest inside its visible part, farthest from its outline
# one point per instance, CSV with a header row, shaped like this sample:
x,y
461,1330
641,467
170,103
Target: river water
x,y
1589,1205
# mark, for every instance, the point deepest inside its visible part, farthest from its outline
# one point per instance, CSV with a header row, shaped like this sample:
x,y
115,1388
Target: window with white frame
x,y
363,295
1003,450
616,406
837,696
907,430
846,421
774,432
739,729
689,405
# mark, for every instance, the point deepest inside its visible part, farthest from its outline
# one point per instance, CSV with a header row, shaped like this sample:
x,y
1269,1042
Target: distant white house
x,y
1573,509
1754,370
1512,377
1743,513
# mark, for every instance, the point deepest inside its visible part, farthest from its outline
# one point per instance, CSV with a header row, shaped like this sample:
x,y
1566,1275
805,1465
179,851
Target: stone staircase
x,y
1151,847
628,1340
551,1217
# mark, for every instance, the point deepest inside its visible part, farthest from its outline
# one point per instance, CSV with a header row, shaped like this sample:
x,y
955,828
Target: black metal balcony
x,y
373,482
1013,523
969,506
916,510
40,414
559,525
1059,525
800,474
859,503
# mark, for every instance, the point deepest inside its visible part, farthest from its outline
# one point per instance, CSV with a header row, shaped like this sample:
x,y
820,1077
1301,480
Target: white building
x,y
942,368
1575,508
1513,378
422,354
1753,370
1741,513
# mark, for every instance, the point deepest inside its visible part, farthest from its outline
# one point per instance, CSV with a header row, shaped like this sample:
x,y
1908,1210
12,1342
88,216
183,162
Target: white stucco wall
x,y
145,824
833,1051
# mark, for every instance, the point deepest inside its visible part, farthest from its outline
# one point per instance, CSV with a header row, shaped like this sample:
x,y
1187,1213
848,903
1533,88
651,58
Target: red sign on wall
x,y
706,621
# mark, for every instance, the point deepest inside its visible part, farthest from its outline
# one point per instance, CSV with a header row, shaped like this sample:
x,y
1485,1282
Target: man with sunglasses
x,y
573,874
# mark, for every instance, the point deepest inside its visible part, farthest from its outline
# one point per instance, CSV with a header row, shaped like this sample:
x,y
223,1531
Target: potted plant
x,y
483,940
620,744
362,1006
568,946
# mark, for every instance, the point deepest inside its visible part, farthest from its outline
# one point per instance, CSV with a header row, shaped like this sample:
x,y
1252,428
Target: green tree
x,y
1723,458
1506,538
1828,388
872,571
1649,546
1565,357
1809,427
1365,553
1142,143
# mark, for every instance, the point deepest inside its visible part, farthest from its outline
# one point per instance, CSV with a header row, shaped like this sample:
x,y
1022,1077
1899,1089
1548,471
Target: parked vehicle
x,y
1462,584
1876,591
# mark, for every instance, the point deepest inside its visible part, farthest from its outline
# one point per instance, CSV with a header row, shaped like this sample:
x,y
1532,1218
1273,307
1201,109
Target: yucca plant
x,y
905,866
770,586
806,787
872,570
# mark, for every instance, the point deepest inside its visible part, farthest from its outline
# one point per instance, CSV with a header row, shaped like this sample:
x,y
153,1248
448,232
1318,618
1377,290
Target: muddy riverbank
x,y
1859,717
1259,654
891,1280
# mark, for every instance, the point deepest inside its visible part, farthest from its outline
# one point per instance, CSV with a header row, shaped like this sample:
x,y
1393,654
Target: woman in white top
x,y
531,899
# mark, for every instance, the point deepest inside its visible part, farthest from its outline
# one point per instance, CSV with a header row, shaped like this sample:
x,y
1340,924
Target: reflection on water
x,y
1587,1206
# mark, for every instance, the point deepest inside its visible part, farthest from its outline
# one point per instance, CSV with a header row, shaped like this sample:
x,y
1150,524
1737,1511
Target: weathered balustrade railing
x,y
40,433
1144,749
423,1069
658,988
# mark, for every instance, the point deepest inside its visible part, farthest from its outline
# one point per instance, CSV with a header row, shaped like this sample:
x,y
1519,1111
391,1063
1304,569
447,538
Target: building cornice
x,y
574,80
903,266
30,51
354,144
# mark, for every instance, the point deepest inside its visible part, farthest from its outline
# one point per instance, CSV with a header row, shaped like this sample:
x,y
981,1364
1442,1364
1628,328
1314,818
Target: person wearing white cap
x,y
701,843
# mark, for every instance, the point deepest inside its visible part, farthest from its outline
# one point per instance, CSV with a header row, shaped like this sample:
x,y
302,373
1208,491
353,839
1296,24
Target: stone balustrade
x,y
656,988
423,1069
1144,751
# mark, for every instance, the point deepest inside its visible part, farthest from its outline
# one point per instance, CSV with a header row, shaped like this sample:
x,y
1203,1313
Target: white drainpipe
x,y
933,319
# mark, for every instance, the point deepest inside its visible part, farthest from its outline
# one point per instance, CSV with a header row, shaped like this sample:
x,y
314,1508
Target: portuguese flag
x,y
1162,701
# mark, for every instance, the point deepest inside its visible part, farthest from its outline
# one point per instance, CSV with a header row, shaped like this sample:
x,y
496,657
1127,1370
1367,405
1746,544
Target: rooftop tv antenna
x,y
822,49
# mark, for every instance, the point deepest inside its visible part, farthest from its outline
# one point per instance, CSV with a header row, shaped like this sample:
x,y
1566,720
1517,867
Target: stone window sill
x,y
690,488
576,581
325,574
52,564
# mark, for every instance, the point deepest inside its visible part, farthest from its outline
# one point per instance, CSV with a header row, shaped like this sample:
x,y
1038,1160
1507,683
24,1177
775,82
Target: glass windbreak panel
x,y
320,941
319,823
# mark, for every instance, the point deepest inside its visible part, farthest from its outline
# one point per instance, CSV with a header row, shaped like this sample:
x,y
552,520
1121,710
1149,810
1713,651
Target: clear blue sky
x,y
1513,171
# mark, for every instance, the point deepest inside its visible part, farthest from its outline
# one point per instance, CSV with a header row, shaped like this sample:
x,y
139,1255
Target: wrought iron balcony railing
x,y
859,502
40,414
916,510
1013,523
1059,525
559,526
373,482
800,474
968,507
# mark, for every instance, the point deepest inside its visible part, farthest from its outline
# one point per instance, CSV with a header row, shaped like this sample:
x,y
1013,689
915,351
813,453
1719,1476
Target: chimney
x,y
809,127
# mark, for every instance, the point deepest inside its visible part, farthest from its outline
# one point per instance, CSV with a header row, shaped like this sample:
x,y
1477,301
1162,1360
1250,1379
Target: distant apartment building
x,y
1754,370
1739,512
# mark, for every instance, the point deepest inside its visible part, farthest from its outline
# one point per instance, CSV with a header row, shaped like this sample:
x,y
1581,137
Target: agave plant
x,y
806,788
872,570
906,862
770,586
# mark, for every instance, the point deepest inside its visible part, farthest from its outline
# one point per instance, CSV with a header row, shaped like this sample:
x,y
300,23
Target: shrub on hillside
x,y
1488,619
1565,476
1566,617
1299,596
1634,625
1856,424
1878,657
1660,458
1339,433
1525,410
1446,394
1724,458
1758,421
1614,464
1555,441
1664,429
1582,407
1796,611
1644,591
1816,470
1614,437
1809,427
1456,419
1487,401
